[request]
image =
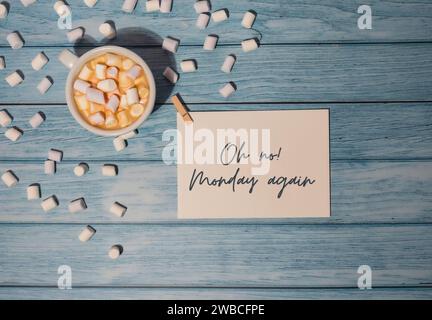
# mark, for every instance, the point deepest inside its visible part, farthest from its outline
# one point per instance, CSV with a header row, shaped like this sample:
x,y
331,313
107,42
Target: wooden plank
x,y
362,192
299,73
215,255
358,131
291,21
34,293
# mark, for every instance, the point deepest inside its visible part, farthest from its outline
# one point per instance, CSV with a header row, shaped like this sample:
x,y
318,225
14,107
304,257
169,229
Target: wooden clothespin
x,y
181,107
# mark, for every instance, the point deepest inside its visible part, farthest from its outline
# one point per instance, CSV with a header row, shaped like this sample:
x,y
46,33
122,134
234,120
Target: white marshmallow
x,y
220,15
9,179
249,45
202,6
3,11
50,203
15,40
2,63
119,144
113,60
33,192
75,34
227,90
170,44
112,72
81,169
5,118
90,3
115,251
67,58
39,61
85,73
210,42
37,119
58,7
107,30
14,79
13,134
248,19
101,71
109,170
55,155
129,6
113,103
228,63
129,135
132,96
107,85
118,209
165,6
27,3
97,118
123,101
95,95
188,65
86,234
134,72
50,167
77,205
44,85
202,21
171,75
81,85
152,5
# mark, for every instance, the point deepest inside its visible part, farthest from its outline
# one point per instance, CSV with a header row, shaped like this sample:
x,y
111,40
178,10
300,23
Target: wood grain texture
x,y
357,131
282,21
232,256
32,293
299,73
362,192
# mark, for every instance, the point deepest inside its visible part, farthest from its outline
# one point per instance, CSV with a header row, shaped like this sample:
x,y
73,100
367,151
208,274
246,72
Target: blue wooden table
x,y
377,84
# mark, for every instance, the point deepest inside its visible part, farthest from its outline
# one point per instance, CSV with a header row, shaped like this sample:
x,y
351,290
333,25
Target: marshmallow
x,y
129,135
9,178
37,119
14,79
95,95
202,6
165,6
109,170
227,89
44,85
75,34
13,134
228,63
113,103
27,3
2,63
81,85
3,11
39,61
118,209
86,234
123,101
107,30
67,58
134,72
248,19
132,96
50,203
33,191
50,167
119,144
202,21
81,169
112,72
188,65
113,60
15,40
129,6
219,15
136,110
101,71
107,85
85,73
55,155
115,251
58,7
152,5
171,75
77,205
97,118
170,44
90,3
210,42
5,118
249,44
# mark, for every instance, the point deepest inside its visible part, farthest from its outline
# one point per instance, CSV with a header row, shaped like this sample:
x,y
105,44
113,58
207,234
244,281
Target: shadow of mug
x,y
146,44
